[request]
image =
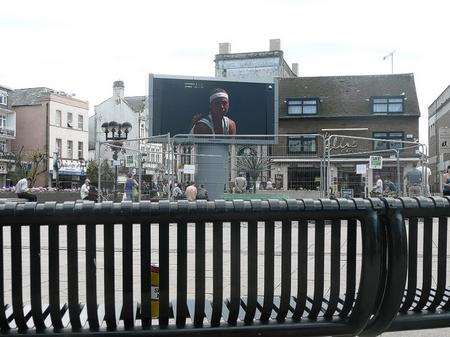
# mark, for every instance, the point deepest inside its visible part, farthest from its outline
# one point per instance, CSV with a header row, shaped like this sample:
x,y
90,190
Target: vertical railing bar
x,y
127,275
252,244
412,265
217,273
72,276
351,269
235,272
53,276
269,254
181,273
4,326
199,273
35,277
318,269
146,289
109,286
335,268
16,277
286,253
427,263
302,270
163,274
442,264
91,277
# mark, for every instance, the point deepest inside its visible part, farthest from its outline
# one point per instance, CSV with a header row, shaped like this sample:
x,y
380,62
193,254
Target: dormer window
x,y
302,106
387,104
3,97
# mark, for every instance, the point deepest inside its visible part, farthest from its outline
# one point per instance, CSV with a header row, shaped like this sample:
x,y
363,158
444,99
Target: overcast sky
x,y
82,46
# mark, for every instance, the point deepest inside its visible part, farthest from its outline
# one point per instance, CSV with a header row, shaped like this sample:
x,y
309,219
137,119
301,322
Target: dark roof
x,y
137,103
349,95
29,96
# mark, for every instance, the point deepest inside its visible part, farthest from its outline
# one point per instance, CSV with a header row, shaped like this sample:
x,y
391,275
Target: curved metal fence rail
x,y
280,268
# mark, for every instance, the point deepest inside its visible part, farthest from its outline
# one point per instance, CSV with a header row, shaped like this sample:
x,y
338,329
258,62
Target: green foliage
x,y
106,172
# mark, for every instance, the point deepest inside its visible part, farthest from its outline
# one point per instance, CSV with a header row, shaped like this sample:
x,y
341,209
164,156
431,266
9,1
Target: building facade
x,y
375,106
7,133
261,66
439,150
56,123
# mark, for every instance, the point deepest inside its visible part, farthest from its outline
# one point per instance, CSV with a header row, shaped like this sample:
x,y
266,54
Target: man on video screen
x,y
216,121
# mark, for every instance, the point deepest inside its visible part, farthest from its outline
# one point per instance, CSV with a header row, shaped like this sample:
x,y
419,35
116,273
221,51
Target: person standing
x,y
202,193
191,192
22,190
130,184
177,193
446,182
84,192
378,189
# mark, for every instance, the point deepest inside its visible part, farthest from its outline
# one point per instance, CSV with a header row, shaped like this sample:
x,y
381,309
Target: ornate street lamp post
x,y
116,133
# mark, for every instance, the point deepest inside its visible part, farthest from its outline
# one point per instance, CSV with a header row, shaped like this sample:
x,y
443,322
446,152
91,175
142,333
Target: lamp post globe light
x,y
116,133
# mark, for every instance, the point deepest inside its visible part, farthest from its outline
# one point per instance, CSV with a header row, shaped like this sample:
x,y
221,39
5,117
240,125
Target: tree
x,y
253,165
106,173
27,164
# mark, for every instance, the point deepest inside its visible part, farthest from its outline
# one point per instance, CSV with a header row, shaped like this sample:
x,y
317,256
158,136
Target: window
x,y
380,145
58,118
80,150
387,104
2,122
69,149
3,97
2,145
59,147
302,145
301,106
80,122
69,120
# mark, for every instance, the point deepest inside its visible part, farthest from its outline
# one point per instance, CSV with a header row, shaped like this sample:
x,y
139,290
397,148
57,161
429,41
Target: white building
x,y
53,121
120,109
7,132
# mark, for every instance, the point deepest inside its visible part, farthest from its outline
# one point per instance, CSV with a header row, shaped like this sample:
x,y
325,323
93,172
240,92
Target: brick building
x,y
438,121
54,122
373,106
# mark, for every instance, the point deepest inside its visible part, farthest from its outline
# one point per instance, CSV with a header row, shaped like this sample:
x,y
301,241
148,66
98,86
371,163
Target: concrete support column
x,y
212,168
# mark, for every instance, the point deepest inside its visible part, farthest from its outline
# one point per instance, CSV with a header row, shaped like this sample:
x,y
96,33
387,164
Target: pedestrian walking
x,y
84,192
191,192
130,185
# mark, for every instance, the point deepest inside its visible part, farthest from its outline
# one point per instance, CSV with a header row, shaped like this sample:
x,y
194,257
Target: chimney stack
x,y
295,68
224,48
274,44
118,89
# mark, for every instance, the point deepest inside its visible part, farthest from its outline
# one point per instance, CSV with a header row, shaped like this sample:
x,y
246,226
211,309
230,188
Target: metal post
x,y
400,187
140,175
99,174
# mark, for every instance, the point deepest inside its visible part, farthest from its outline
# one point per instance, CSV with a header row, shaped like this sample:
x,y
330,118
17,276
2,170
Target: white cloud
x,y
83,46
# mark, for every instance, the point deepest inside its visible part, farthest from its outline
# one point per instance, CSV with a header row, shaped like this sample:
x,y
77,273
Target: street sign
x,y
376,162
189,169
361,168
444,140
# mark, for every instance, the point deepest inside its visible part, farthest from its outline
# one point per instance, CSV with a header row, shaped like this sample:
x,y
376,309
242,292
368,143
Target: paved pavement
x,y
191,259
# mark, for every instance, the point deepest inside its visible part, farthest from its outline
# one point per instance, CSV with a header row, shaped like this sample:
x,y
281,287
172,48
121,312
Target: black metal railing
x,y
278,267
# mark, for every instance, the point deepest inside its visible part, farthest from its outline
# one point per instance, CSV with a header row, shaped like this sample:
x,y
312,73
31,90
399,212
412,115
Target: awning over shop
x,y
71,171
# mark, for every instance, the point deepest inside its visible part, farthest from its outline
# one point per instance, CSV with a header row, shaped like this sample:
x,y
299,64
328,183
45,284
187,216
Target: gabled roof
x,y
137,103
349,95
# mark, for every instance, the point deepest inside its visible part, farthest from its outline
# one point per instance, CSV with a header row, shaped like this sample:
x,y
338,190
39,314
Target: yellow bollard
x,y
154,271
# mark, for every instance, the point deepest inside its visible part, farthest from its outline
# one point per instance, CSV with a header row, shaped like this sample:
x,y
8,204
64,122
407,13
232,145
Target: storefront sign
x,y
376,162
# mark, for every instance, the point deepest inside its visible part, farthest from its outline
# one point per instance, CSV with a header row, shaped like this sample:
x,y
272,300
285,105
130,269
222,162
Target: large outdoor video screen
x,y
182,105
